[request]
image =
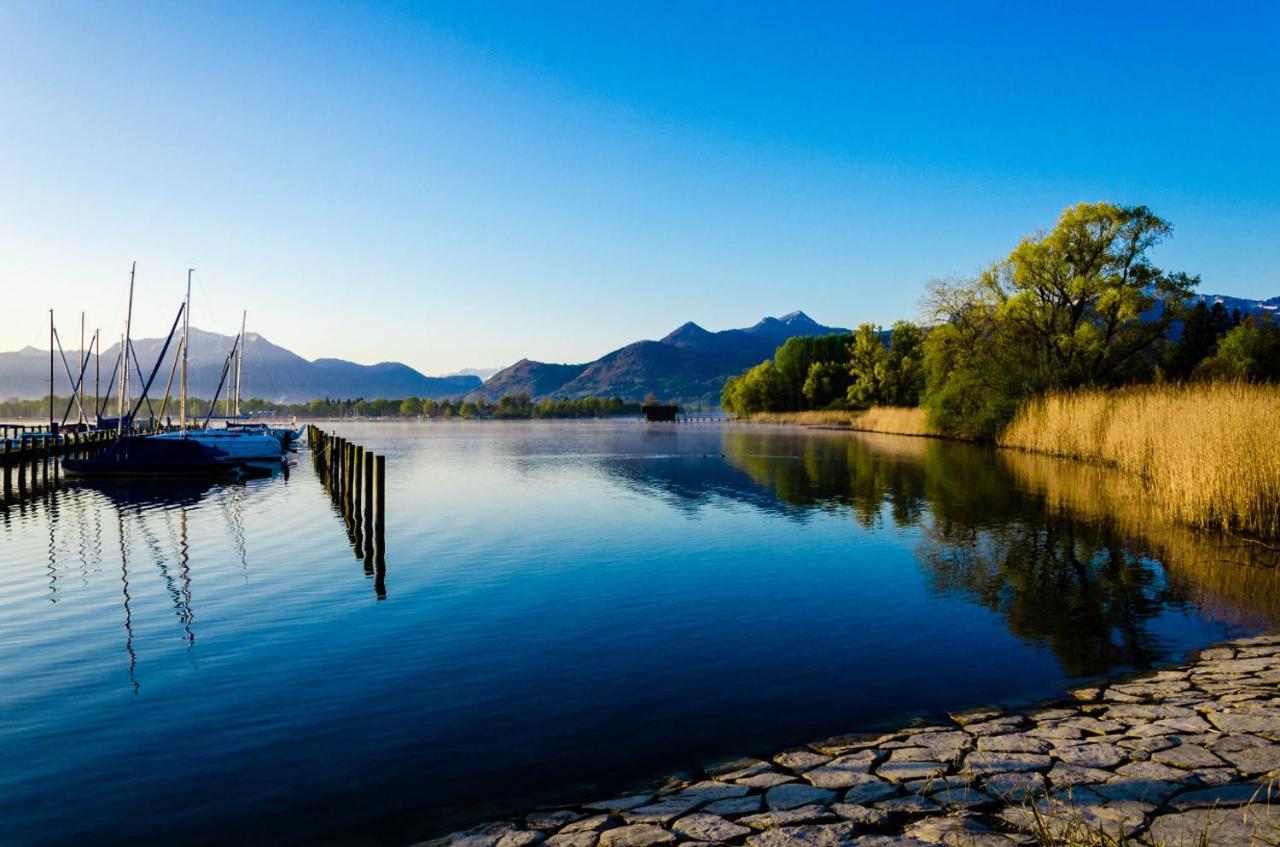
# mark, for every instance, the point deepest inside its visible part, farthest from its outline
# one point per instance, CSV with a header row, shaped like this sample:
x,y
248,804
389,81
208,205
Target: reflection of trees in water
x,y
1078,589
1070,557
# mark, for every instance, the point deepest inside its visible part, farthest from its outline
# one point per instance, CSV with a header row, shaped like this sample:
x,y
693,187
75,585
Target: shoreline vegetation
x,y
1207,453
1074,345
411,408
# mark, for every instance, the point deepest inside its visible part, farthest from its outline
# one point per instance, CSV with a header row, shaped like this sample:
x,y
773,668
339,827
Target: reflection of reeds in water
x,y
1223,575
1209,452
1069,553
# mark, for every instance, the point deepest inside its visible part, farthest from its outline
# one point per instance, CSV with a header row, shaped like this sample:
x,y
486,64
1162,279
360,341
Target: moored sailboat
x,y
256,448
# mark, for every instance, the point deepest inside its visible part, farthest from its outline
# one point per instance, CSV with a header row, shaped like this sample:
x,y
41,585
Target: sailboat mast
x,y
97,371
51,370
182,389
82,352
124,380
240,359
120,388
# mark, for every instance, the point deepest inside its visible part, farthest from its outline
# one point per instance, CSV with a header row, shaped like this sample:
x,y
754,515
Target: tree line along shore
x,y
518,407
1074,345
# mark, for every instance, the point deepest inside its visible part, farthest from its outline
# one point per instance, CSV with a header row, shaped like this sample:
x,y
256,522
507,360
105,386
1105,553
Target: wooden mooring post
x,y
355,478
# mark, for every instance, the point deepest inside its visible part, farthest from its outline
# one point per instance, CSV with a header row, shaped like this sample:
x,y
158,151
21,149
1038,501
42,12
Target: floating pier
x,y
356,481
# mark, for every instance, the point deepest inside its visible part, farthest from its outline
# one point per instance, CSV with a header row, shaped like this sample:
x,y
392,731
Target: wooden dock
x,y
29,457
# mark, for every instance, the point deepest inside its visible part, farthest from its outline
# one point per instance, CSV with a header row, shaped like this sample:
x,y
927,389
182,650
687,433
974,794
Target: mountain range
x,y
270,372
689,364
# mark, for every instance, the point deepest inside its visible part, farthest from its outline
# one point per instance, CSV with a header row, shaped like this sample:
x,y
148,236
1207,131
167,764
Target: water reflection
x,y
138,508
1071,557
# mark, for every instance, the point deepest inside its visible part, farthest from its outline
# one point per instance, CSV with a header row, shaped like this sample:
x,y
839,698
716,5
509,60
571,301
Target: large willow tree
x,y
1079,305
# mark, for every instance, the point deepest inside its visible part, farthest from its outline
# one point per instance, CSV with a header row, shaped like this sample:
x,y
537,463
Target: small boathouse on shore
x,y
659,413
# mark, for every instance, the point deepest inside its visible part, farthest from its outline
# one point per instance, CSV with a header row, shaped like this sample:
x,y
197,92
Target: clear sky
x,y
465,184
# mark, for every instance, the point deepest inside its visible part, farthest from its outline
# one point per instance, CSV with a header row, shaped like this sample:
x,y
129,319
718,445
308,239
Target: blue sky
x,y
465,184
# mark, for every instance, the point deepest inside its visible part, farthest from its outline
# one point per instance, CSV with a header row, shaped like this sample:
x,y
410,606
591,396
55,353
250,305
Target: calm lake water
x,y
568,608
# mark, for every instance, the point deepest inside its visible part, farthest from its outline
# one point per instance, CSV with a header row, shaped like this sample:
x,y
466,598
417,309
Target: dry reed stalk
x,y
1209,453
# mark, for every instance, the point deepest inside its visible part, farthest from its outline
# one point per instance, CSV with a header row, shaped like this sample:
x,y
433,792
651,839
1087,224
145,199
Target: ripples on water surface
x,y
569,608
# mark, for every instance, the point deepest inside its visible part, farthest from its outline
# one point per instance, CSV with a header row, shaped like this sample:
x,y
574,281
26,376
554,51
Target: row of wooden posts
x,y
31,459
356,480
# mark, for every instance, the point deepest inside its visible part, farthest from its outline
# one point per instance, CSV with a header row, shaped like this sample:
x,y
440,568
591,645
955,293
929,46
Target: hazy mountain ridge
x,y
688,364
270,372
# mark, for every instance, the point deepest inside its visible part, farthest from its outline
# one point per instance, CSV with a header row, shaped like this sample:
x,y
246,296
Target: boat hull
x,y
141,456
245,447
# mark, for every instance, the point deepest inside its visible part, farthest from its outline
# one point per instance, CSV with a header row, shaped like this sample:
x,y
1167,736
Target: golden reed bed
x,y
1208,452
893,420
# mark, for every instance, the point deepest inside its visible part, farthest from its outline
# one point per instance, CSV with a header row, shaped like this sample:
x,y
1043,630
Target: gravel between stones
x,y
1162,759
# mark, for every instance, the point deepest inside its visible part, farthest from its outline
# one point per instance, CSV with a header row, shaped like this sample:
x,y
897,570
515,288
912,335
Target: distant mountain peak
x,y
687,333
270,372
690,363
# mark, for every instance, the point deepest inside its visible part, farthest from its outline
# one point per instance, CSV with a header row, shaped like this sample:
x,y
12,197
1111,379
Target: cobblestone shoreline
x,y
1168,758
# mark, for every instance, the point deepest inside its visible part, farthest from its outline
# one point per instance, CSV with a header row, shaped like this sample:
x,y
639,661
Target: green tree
x,y
761,389
867,358
1080,305
1249,351
410,406
826,385
902,381
795,359
1202,329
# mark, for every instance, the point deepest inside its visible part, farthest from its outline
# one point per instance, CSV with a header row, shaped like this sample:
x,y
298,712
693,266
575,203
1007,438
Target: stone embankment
x,y
1179,757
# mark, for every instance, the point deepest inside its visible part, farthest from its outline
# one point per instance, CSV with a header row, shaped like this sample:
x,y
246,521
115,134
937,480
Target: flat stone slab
x,y
1015,787
842,772
663,812
736,805
790,817
1231,794
1014,743
812,835
1254,760
595,823
870,790
1065,774
981,763
550,821
861,815
574,839
800,760
521,838
1062,819
905,771
1187,756
766,780
704,827
708,790
1235,827
630,801
640,835
794,795
956,831
967,797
